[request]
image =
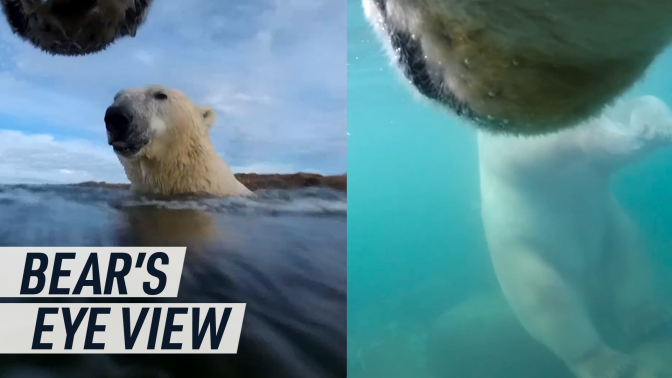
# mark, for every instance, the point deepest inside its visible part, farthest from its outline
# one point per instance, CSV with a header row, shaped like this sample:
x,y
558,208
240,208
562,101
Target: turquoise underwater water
x,y
415,241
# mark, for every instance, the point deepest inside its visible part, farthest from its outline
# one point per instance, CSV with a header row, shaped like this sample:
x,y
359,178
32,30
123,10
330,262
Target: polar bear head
x,y
156,121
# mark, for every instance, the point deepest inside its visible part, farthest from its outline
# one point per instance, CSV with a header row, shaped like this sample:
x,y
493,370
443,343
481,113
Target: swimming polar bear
x,y
162,140
523,67
559,241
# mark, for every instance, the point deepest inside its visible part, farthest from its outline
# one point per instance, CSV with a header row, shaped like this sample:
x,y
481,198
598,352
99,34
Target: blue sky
x,y
275,71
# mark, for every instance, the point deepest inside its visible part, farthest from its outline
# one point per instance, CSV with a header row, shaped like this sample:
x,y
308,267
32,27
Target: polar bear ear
x,y
209,116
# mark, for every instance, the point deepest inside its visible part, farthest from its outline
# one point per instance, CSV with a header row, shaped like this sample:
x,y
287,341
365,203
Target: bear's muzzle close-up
x,y
522,67
123,134
74,27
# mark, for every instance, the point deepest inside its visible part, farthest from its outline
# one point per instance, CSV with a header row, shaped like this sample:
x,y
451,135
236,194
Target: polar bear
x,y
560,243
523,67
161,139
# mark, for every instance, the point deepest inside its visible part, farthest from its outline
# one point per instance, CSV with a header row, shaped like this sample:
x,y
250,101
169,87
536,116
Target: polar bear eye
x,y
160,96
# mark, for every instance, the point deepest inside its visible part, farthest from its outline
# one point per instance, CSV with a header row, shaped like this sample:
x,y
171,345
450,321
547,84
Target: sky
x,y
274,70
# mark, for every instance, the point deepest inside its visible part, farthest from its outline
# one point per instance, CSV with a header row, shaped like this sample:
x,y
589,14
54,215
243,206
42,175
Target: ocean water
x,y
416,247
283,253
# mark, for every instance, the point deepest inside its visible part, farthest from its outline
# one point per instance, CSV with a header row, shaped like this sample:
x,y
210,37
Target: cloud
x,y
275,71
271,168
39,158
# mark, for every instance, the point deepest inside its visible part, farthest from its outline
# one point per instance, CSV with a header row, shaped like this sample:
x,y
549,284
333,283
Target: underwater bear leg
x,y
552,309
641,313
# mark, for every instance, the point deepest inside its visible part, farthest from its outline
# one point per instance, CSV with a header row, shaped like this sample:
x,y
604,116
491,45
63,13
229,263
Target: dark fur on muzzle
x,y
412,62
74,27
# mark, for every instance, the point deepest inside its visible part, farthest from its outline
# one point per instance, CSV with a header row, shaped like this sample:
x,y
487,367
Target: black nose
x,y
118,120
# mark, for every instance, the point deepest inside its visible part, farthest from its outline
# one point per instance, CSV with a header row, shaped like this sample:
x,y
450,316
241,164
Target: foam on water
x,y
308,201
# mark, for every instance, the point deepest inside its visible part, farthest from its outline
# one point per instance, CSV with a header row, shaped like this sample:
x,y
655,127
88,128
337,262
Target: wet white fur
x,y
556,233
180,157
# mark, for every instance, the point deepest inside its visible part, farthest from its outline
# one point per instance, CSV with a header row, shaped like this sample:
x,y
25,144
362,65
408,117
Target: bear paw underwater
x,y
484,328
647,321
162,140
606,363
523,67
74,27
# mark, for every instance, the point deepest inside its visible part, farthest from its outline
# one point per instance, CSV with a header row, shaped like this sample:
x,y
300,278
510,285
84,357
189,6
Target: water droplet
x,y
515,63
466,61
490,117
491,94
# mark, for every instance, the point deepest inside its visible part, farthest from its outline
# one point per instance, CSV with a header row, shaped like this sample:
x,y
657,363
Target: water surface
x,y
282,252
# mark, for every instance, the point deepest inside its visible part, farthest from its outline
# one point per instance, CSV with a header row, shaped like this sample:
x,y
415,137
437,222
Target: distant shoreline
x,y
256,181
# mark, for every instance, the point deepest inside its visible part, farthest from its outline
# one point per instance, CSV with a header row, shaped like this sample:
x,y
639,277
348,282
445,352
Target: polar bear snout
x,y
74,27
118,120
522,67
123,133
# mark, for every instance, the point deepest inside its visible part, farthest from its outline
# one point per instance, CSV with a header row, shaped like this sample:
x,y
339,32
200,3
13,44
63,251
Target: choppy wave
x,y
70,215
306,201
